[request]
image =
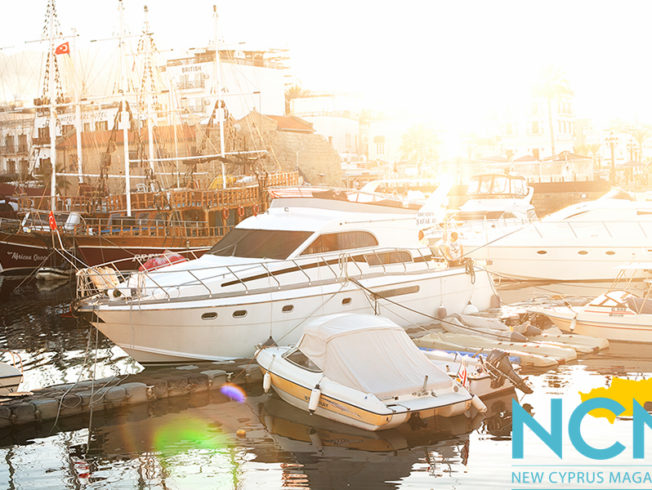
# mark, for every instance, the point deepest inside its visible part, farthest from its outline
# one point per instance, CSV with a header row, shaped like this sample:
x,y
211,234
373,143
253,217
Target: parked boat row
x,y
328,286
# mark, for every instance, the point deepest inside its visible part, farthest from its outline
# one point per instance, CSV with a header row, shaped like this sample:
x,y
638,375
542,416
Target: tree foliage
x,y
420,144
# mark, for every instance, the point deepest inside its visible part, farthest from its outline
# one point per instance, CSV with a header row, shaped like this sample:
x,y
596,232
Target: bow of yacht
x,y
302,258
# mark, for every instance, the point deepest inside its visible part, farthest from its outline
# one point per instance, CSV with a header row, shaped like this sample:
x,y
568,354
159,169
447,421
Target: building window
x,y
11,167
9,143
101,126
44,133
380,144
22,142
66,129
87,127
24,168
535,127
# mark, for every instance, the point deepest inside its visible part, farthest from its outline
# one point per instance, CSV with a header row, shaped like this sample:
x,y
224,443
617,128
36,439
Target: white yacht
x,y
498,204
582,242
303,257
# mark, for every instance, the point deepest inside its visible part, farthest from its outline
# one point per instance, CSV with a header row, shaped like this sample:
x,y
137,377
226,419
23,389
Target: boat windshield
x,y
497,186
259,244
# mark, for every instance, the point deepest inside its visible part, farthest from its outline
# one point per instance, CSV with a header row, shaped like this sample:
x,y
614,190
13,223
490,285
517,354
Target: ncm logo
x,y
553,438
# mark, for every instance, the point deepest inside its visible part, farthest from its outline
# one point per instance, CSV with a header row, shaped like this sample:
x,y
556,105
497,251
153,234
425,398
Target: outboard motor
x,y
498,366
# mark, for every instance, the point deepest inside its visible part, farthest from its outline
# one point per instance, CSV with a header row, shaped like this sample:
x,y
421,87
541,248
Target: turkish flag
x,y
52,221
62,48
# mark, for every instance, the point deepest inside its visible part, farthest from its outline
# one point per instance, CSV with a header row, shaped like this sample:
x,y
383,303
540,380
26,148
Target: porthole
x,y
287,308
610,252
209,316
346,301
239,313
542,252
582,252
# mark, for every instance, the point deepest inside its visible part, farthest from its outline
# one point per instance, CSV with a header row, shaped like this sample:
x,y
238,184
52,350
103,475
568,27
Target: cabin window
x,y
239,313
331,242
542,252
346,301
209,316
393,257
582,252
610,252
259,244
287,308
300,359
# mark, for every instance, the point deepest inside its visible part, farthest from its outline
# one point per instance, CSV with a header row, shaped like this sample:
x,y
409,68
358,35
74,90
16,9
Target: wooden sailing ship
x,y
97,225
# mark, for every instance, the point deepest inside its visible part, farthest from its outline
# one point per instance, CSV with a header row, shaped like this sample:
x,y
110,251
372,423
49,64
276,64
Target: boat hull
x,y
619,328
231,326
22,253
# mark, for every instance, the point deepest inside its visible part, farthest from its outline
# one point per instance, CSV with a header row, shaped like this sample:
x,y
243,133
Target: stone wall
x,y
314,156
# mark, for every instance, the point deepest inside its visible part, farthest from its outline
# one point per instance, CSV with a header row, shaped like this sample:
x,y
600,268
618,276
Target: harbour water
x,y
212,441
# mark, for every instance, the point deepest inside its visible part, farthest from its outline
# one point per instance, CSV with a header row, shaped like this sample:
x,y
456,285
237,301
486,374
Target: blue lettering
x,y
576,435
641,419
552,439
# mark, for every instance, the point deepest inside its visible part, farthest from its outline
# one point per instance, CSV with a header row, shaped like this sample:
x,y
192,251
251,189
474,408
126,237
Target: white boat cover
x,y
370,354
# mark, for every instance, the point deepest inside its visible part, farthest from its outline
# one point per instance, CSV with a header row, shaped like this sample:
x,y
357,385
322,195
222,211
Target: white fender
x,y
315,394
267,381
470,309
478,404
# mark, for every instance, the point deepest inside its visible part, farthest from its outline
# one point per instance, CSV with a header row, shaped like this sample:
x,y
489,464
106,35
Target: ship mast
x,y
217,80
146,44
52,69
124,116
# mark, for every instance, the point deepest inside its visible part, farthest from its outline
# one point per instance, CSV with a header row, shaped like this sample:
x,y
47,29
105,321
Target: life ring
x,y
241,211
225,214
256,209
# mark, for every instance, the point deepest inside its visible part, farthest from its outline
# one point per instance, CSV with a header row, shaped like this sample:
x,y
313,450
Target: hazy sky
x,y
453,60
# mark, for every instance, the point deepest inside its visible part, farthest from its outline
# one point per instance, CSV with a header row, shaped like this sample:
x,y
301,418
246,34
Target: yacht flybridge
x,y
302,258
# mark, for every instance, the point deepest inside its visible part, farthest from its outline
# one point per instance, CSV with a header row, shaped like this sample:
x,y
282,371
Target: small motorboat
x,y
10,379
54,274
364,371
617,315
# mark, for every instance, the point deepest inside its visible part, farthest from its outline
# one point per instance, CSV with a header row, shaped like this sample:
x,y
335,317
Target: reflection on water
x,y
210,440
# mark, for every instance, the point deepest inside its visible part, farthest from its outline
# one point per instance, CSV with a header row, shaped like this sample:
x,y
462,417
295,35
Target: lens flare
x,y
181,435
234,392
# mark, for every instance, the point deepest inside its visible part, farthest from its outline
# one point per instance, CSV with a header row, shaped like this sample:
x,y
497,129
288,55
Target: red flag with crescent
x,y
63,48
52,221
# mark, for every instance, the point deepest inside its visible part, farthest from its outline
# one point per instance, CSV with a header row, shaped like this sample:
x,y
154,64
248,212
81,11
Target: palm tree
x,y
294,92
639,133
552,86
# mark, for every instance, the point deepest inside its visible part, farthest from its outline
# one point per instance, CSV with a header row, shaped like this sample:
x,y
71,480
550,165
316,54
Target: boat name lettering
x,y
19,256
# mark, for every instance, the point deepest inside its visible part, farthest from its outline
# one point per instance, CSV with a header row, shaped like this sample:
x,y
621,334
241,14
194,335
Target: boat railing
x,y
102,277
232,196
126,226
159,282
